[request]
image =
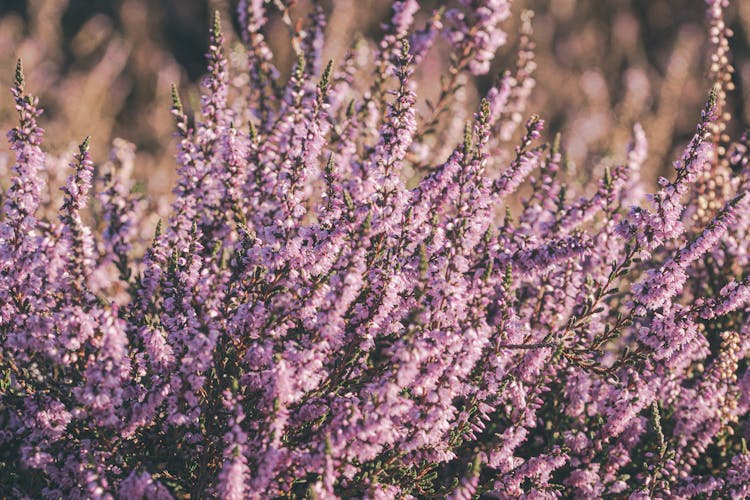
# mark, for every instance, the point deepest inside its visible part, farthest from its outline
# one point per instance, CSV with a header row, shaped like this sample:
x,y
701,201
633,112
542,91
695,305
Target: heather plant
x,y
347,301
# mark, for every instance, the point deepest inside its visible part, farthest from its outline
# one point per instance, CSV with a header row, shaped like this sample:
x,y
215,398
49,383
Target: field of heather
x,y
375,249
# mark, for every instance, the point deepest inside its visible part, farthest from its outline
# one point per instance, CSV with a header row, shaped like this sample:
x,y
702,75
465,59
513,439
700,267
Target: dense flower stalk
x,y
349,299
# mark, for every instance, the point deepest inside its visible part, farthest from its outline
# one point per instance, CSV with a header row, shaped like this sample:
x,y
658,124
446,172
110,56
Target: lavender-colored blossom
x,y
142,486
349,298
477,28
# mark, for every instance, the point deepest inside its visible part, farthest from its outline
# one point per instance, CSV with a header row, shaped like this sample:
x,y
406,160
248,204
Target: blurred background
x,y
104,68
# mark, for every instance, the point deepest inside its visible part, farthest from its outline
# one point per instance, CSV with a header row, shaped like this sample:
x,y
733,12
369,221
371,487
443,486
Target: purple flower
x,y
350,298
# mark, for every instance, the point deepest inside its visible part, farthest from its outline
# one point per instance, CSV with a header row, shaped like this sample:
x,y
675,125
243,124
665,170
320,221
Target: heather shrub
x,y
358,293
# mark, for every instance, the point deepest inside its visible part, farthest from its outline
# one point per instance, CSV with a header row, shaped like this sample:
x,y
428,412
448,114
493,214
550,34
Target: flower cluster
x,y
346,303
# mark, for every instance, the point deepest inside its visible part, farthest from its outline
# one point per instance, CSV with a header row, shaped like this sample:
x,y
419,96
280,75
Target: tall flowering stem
x,y
349,299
